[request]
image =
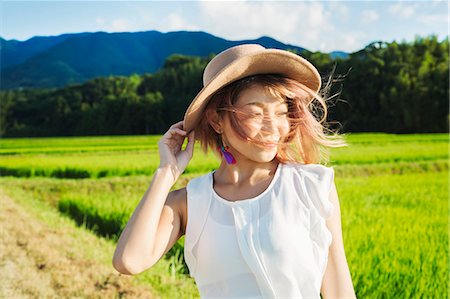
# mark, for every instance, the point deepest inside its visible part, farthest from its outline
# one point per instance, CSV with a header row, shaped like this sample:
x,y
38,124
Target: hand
x,y
170,152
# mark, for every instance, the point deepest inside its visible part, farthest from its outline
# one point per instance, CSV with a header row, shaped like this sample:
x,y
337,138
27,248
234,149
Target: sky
x,y
315,25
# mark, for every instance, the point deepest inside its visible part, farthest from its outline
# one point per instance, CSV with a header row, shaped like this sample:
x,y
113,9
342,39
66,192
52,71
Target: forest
x,y
386,87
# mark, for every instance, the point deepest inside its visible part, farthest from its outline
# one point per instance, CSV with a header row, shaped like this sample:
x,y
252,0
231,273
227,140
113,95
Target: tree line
x,y
385,87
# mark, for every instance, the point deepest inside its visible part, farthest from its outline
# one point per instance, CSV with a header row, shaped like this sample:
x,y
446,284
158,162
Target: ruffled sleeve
x,y
198,203
317,181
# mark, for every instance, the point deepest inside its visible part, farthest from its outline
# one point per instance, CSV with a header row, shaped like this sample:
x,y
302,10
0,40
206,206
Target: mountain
x,y
14,52
338,54
56,61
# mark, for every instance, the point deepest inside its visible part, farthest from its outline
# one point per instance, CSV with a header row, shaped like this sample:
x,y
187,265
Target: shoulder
x,y
316,182
295,166
177,201
315,172
175,196
199,182
179,198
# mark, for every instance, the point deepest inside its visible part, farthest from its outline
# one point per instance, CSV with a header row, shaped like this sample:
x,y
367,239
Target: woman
x,y
266,223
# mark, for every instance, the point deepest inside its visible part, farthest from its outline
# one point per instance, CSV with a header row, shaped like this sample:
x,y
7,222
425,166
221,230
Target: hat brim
x,y
267,61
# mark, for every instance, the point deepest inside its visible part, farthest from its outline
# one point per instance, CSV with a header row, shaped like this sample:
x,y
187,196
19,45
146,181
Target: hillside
x,y
55,61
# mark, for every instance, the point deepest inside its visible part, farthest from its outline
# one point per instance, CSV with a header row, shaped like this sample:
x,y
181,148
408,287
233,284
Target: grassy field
x,y
393,192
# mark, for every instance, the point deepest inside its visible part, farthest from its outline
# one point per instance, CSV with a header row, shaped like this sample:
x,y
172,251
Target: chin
x,y
258,154
266,156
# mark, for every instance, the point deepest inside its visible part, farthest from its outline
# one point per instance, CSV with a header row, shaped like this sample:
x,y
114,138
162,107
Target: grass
x,y
393,192
87,248
96,157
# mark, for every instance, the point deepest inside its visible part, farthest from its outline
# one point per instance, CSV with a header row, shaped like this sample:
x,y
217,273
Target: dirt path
x,y
38,261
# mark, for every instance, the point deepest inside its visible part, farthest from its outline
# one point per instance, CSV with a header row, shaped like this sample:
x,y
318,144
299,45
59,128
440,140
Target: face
x,y
265,120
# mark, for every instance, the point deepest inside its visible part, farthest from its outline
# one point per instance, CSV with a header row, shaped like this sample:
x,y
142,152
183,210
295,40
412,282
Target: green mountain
x,y
56,61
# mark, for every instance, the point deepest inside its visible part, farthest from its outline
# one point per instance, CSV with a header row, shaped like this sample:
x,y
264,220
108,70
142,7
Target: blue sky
x,y
316,25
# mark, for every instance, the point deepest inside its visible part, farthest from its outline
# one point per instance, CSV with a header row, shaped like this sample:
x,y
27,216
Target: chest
x,y
277,223
265,234
235,193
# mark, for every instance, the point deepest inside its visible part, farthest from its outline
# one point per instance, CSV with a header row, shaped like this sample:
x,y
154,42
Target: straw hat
x,y
246,60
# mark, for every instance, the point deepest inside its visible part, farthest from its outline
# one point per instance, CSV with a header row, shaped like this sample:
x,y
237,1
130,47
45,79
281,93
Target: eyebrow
x,y
259,104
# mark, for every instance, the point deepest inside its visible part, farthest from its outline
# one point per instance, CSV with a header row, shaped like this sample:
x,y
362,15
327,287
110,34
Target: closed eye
x,y
261,115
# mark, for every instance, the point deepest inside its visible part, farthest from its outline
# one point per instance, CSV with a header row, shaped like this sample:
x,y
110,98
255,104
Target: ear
x,y
214,119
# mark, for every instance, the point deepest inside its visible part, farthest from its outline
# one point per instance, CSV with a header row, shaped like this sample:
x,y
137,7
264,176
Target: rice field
x,y
393,192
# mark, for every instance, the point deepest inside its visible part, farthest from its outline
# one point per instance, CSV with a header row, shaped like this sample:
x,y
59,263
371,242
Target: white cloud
x,y
115,25
403,10
436,3
305,24
351,41
339,9
432,19
175,21
100,21
299,23
369,16
119,25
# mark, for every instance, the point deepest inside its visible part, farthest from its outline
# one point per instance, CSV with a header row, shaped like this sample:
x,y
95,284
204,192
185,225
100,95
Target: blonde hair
x,y
306,142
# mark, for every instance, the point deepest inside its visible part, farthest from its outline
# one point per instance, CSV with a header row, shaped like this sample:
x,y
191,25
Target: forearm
x,y
340,286
137,240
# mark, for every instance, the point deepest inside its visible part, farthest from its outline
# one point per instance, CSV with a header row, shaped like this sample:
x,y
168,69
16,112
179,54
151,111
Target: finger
x,y
173,131
176,124
176,130
191,142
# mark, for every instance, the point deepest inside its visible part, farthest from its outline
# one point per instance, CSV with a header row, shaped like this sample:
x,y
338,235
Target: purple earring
x,y
227,155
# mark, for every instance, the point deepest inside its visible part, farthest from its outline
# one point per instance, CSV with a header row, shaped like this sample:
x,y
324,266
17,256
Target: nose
x,y
271,128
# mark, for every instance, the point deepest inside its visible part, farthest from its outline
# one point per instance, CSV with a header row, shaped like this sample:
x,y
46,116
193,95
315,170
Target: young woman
x,y
266,223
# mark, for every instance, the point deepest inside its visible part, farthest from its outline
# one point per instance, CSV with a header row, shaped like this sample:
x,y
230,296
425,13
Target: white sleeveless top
x,y
274,245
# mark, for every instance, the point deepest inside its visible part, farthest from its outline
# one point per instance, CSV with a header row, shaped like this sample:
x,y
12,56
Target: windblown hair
x,y
306,141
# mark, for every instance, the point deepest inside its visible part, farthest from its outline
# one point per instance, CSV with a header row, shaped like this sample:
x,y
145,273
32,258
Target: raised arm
x,y
156,219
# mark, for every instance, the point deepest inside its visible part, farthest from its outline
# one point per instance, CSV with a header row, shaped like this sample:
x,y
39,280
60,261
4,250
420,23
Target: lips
x,y
271,144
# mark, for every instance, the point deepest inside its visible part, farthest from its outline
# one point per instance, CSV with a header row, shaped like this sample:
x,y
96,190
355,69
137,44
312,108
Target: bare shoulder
x,y
177,199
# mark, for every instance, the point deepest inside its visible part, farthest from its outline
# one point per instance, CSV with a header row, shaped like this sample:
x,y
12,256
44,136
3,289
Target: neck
x,y
245,172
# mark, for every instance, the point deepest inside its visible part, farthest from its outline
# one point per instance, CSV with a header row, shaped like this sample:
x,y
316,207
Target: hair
x,y
306,142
